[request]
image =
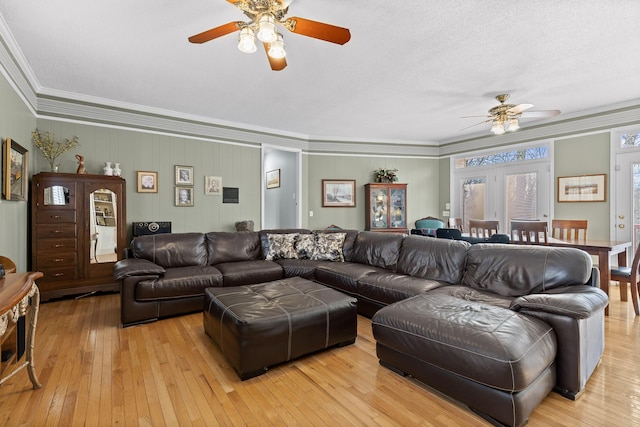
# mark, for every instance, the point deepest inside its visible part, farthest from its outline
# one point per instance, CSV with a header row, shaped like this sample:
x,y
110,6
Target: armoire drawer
x,y
55,216
68,244
57,275
46,231
57,259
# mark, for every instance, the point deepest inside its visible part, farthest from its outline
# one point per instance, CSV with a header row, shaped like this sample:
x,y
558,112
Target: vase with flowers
x,y
386,175
52,149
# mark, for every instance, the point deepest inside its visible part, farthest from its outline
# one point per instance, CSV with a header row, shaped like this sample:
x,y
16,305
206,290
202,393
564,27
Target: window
x,y
504,185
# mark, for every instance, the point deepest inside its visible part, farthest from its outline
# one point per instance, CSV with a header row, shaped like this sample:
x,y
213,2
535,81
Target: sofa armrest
x,y
578,302
135,267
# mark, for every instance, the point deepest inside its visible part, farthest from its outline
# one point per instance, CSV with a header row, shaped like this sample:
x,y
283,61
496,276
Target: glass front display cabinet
x,y
386,207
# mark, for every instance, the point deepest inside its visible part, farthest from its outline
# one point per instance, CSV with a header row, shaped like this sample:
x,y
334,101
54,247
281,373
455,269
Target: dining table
x,y
604,250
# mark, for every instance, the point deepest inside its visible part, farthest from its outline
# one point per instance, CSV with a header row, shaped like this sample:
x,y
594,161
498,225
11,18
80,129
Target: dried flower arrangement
x,y
50,148
386,175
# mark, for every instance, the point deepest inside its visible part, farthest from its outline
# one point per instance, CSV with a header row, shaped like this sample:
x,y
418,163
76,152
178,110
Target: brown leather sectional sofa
x,y
541,305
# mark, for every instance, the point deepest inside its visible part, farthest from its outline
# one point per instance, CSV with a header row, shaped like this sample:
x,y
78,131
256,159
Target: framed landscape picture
x,y
583,188
338,193
273,179
14,168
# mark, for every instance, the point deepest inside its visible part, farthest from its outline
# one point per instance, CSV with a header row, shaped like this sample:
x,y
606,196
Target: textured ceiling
x,y
409,73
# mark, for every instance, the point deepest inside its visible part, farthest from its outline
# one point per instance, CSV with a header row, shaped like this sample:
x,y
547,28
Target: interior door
x,y
522,192
626,221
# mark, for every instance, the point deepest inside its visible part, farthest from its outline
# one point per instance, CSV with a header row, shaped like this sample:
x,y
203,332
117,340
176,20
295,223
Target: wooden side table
x,y
19,295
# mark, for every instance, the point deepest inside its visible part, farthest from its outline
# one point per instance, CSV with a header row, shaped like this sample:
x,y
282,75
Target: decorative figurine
x,y
81,168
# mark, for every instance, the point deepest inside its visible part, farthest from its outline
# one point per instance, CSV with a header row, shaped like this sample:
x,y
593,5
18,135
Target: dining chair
x,y
429,224
529,232
483,228
456,223
569,229
9,265
630,275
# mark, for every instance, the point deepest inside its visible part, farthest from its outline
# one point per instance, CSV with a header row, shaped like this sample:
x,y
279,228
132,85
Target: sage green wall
x,y
584,155
444,182
16,122
420,174
238,165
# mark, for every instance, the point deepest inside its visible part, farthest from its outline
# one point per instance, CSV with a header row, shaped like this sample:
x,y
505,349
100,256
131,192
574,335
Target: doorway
x,y
280,196
625,186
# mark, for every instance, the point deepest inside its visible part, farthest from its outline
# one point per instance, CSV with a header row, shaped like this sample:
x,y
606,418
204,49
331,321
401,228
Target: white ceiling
x,y
409,73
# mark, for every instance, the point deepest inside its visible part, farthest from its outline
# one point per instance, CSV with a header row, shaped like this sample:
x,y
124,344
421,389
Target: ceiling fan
x,y
505,117
265,16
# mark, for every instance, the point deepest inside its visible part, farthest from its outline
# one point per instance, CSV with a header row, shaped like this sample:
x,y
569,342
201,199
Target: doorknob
x,y
621,216
620,225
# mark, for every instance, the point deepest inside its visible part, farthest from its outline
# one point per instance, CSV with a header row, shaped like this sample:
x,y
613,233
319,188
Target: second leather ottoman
x,y
258,326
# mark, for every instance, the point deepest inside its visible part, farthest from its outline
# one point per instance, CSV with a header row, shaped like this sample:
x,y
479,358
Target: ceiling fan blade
x,y
541,113
481,123
470,117
318,30
277,64
518,109
216,32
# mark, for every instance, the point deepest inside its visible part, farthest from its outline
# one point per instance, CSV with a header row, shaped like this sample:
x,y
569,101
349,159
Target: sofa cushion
x,y
304,268
344,276
264,239
377,249
493,346
171,250
386,288
516,270
469,294
179,282
233,246
349,241
435,259
250,272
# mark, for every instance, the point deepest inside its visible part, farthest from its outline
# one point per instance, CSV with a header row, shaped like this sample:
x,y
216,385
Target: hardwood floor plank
x,y
170,373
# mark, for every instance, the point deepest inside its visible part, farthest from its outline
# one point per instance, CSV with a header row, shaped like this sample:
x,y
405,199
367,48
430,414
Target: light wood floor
x,y
169,373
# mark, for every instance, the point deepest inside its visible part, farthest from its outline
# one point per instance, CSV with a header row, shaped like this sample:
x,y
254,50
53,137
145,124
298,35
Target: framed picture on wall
x,y
338,193
184,196
14,171
583,188
147,182
184,175
213,185
273,179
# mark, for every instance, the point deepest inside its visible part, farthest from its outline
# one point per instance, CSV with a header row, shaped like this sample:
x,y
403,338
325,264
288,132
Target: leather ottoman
x,y
498,362
258,326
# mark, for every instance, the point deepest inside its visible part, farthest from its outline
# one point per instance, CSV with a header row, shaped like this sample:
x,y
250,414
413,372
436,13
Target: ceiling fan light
x,y
513,124
267,28
276,49
247,40
497,127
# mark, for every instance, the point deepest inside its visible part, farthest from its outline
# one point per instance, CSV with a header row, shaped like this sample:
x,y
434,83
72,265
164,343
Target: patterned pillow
x,y
304,245
281,246
328,246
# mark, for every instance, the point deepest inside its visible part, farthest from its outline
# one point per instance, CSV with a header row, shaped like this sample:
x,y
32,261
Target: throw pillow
x,y
304,245
281,246
328,246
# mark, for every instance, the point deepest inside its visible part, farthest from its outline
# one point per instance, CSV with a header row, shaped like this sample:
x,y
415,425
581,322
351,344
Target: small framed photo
x,y
14,166
184,175
213,185
147,182
184,196
273,179
584,188
338,193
